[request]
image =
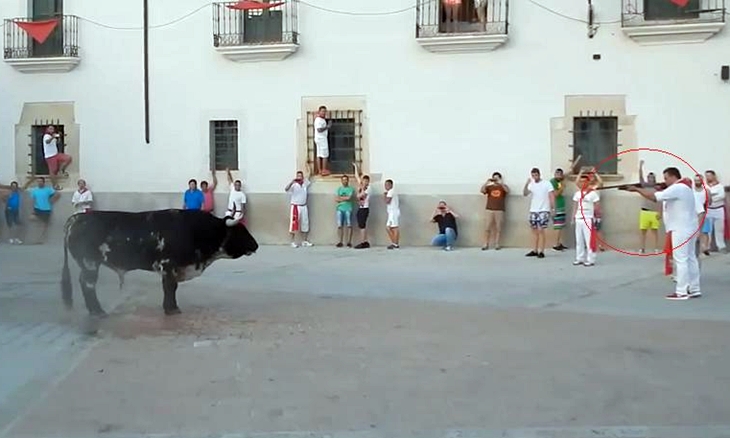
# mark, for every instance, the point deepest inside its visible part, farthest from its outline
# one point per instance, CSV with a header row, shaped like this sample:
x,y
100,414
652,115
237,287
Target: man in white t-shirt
x,y
363,207
82,198
56,161
392,208
585,202
321,130
681,212
236,199
542,205
716,210
298,213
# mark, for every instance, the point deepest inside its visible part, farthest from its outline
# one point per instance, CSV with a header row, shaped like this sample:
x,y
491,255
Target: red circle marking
x,y
615,156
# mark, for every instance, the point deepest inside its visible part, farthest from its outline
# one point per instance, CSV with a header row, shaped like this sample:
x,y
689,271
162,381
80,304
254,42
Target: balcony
x,y
461,26
255,35
59,53
654,22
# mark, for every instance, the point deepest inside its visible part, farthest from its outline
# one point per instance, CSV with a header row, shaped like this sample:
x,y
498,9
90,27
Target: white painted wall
x,y
469,114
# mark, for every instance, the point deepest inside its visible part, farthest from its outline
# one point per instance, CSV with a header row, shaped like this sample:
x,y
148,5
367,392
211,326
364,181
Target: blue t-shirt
x,y
13,201
42,197
193,199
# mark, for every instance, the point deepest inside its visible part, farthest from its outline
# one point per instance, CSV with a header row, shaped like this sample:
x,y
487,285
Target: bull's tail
x,y
66,287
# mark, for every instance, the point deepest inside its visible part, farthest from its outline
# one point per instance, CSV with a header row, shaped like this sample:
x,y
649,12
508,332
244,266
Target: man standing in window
x,y
193,198
496,192
56,161
298,213
321,130
393,211
343,197
43,199
363,210
559,217
542,204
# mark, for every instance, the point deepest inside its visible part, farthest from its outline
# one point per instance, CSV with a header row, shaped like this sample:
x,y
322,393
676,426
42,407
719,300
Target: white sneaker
x,y
306,244
18,241
294,245
11,241
695,294
577,263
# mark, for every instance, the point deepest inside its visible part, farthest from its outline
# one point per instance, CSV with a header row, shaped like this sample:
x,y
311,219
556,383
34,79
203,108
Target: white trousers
x,y
685,262
716,216
583,252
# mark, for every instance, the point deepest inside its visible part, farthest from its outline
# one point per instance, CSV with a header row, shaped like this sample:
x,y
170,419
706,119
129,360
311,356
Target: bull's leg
x,y
169,286
88,279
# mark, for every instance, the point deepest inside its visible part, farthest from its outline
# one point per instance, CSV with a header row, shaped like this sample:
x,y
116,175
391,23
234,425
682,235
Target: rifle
x,y
657,186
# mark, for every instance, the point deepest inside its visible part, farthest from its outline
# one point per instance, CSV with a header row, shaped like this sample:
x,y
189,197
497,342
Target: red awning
x,y
38,30
249,5
680,3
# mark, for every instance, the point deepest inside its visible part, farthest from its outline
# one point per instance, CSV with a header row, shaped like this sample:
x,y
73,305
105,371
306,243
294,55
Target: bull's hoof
x,y
175,311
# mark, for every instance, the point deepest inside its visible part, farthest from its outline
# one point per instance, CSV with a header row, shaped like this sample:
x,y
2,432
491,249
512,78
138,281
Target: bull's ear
x,y
230,222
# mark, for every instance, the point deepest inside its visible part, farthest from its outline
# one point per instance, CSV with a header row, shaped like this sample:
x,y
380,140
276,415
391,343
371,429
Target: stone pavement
x,y
344,343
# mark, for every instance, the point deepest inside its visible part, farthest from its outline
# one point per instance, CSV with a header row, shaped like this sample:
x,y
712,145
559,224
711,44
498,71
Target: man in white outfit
x,y
236,199
321,131
298,213
681,220
716,210
82,199
585,201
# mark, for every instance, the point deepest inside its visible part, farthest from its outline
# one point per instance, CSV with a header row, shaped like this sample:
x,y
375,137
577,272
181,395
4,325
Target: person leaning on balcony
x,y
496,192
56,161
445,217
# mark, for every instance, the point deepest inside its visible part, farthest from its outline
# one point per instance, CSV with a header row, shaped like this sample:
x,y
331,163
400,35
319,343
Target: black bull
x,y
177,244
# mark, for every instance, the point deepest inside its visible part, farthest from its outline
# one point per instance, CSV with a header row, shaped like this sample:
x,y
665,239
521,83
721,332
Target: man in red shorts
x,y
56,161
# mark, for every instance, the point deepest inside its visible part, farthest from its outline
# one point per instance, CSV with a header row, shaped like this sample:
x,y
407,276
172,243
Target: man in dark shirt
x,y
445,217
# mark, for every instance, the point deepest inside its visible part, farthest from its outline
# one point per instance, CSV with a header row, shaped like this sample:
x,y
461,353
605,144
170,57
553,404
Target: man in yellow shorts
x,y
649,217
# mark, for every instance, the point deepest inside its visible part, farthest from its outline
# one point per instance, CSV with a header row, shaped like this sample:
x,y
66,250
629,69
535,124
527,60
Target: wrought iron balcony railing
x,y
63,41
653,12
450,17
275,25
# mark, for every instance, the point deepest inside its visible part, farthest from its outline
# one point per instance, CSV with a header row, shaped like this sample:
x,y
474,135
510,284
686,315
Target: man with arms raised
x,y
650,215
496,192
298,213
236,199
680,220
542,205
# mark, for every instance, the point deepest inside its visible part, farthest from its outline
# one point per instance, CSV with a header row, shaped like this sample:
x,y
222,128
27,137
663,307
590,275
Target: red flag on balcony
x,y
680,3
250,5
38,30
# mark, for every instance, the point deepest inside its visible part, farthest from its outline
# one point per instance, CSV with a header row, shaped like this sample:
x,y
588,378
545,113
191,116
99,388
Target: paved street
x,y
359,344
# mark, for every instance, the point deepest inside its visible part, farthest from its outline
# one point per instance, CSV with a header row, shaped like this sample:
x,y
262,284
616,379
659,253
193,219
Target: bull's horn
x,y
231,222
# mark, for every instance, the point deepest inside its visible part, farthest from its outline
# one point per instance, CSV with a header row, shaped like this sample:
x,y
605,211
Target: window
x,y
434,17
595,139
344,139
235,27
45,10
38,160
667,10
224,144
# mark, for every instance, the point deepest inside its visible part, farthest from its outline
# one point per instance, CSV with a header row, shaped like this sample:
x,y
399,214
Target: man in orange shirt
x,y
496,192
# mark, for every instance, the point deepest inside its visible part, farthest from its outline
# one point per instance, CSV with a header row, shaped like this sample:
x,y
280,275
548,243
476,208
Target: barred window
x,y
38,165
344,139
667,10
224,144
595,139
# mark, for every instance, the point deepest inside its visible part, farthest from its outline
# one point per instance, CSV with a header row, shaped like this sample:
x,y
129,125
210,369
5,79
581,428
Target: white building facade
x,y
434,104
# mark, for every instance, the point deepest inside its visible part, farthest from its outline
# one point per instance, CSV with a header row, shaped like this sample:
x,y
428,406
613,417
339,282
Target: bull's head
x,y
239,241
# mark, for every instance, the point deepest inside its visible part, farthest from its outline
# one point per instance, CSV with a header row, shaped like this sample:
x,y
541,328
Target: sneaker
x,y
11,241
497,248
695,294
677,297
642,251
349,245
448,248
557,248
531,254
393,246
306,244
294,245
587,264
577,263
541,255
18,242
339,245
485,247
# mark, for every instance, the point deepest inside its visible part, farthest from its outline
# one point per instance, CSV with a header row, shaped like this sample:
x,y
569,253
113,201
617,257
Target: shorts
x,y
43,215
344,218
706,226
597,223
648,220
362,217
393,219
12,217
539,219
323,149
298,218
494,220
559,220
54,162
